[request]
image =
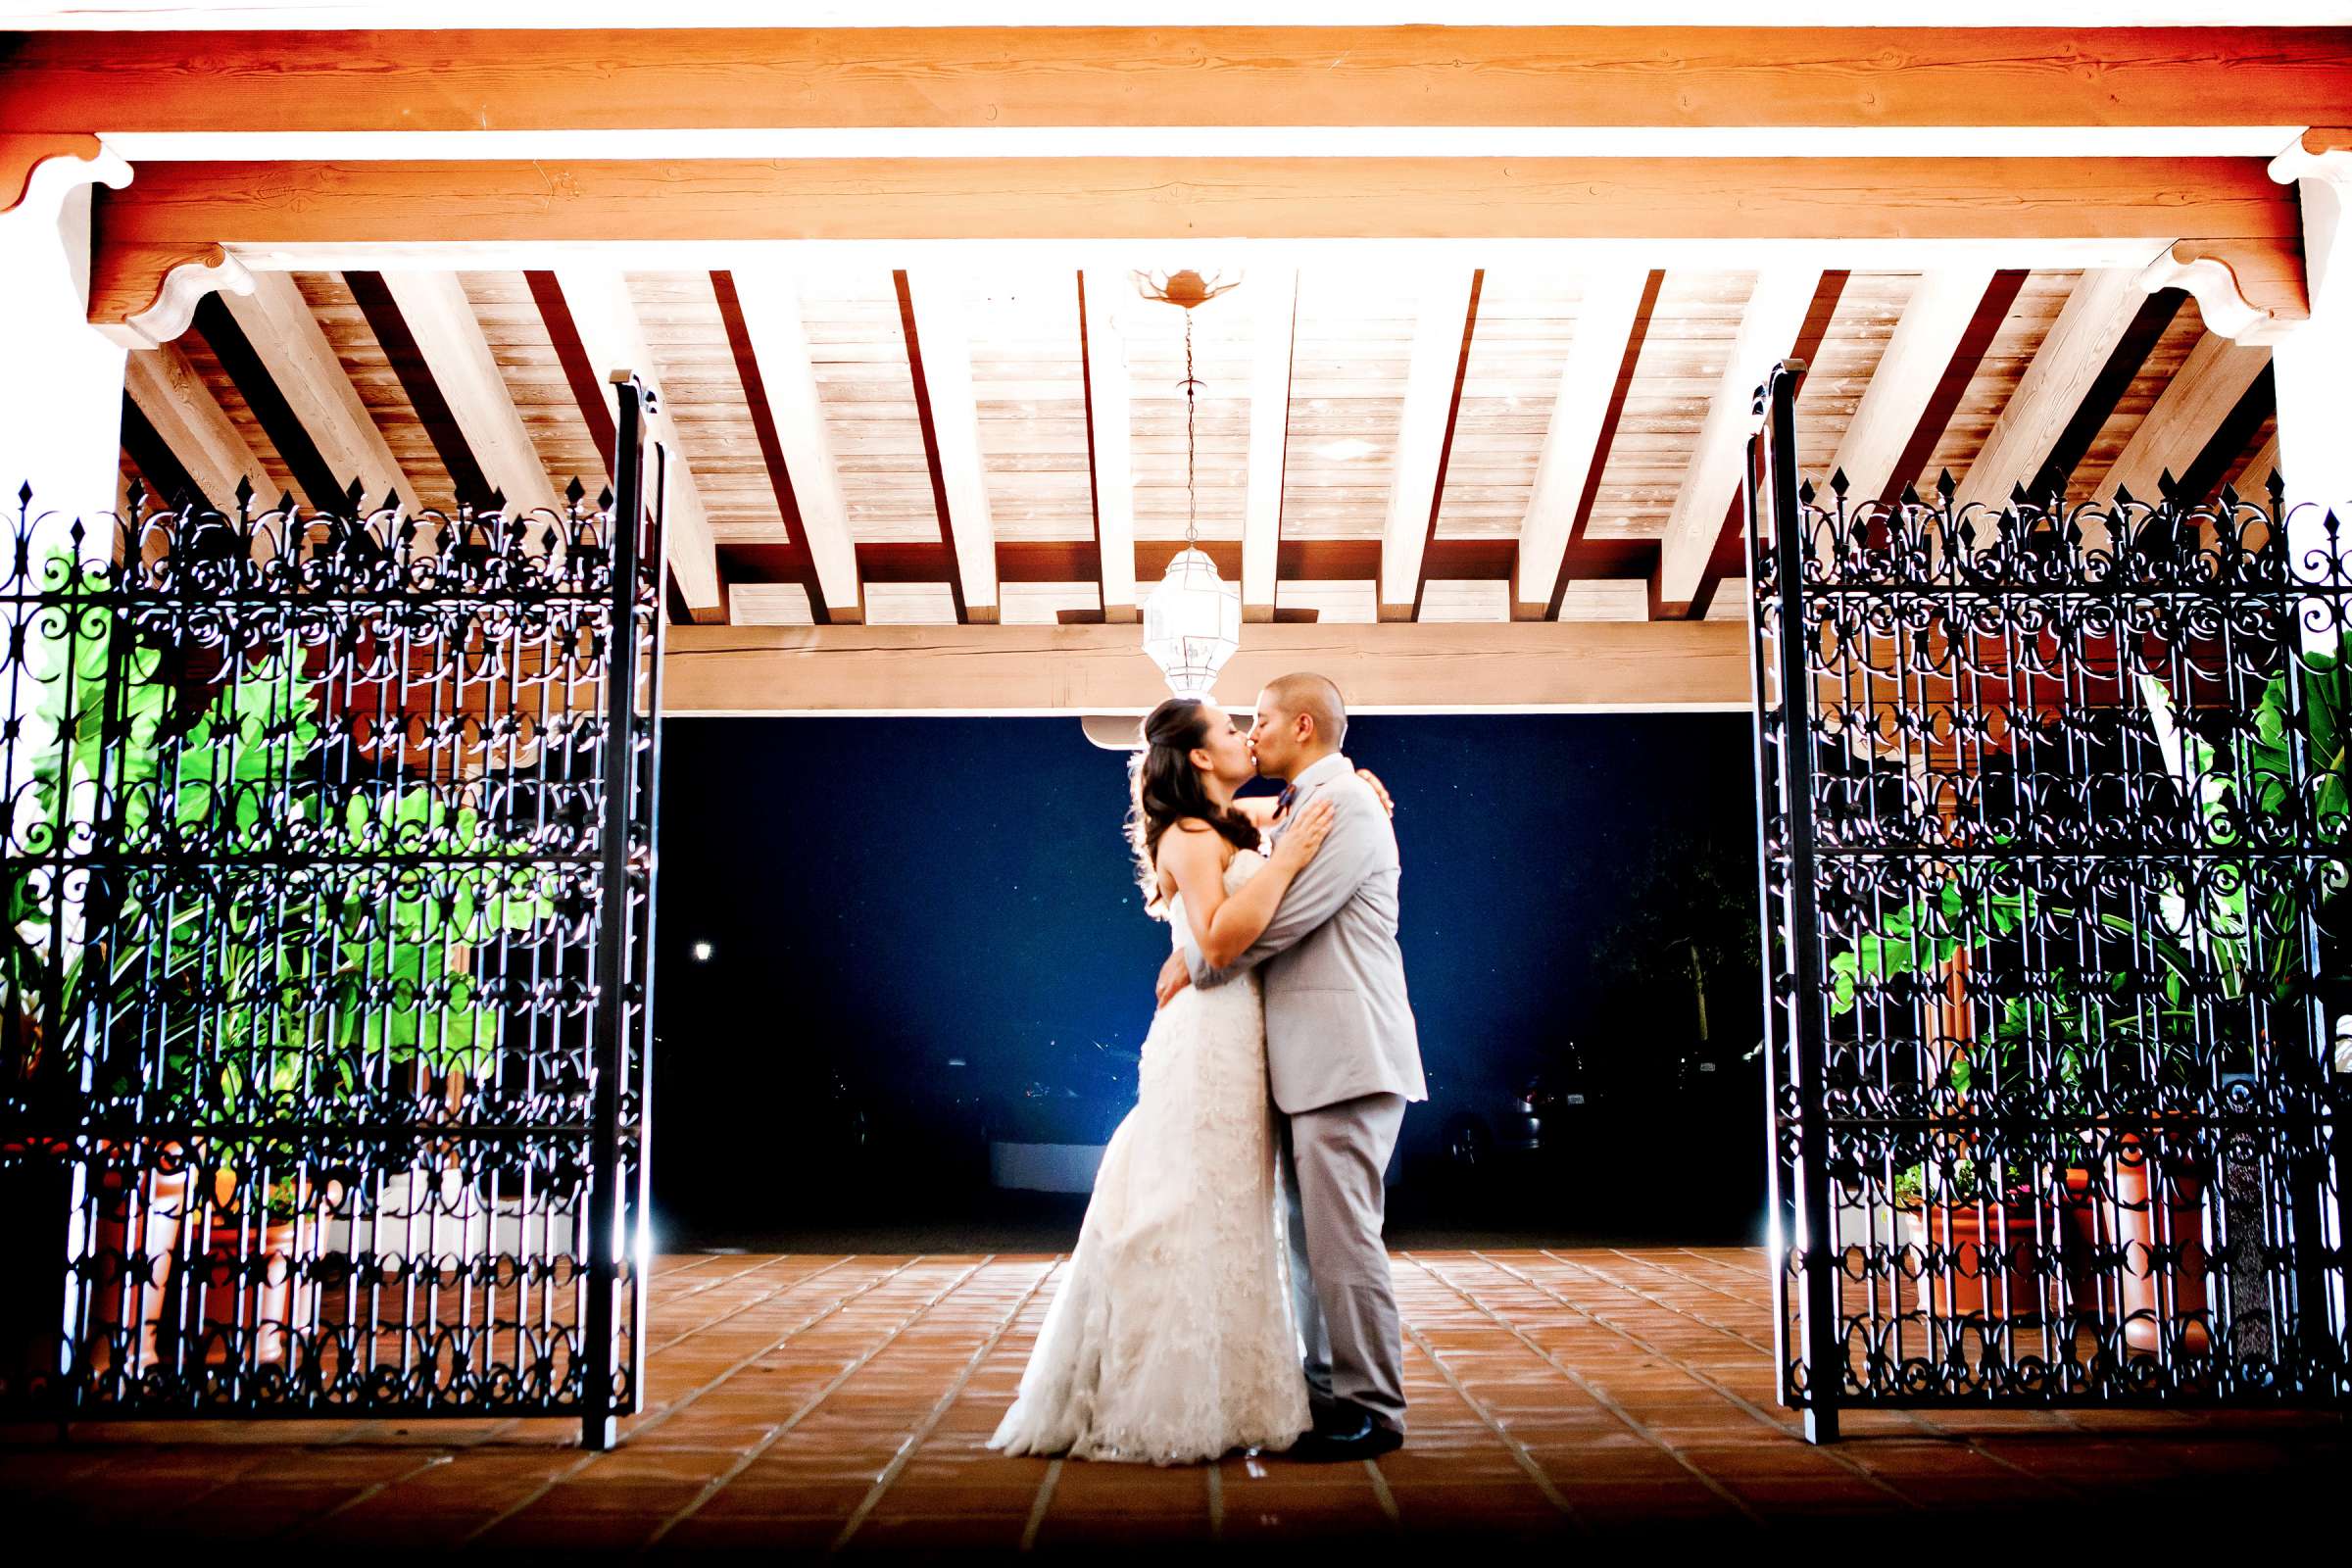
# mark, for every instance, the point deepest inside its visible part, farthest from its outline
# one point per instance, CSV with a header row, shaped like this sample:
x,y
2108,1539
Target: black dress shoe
x,y
1360,1439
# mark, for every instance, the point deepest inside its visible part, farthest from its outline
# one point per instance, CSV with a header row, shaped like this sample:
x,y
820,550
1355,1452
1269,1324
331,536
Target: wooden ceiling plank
x,y
1918,353
190,422
1579,407
449,336
2191,407
937,298
1110,439
1774,316
2097,313
1432,379
770,301
613,337
1271,360
1547,665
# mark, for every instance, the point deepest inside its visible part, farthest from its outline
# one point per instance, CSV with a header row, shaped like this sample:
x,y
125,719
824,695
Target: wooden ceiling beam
x,y
2186,414
1110,443
308,374
1680,79
2092,322
771,303
449,337
2255,476
460,214
1942,305
940,350
1588,388
1270,363
614,339
1774,316
1432,390
190,422
1550,666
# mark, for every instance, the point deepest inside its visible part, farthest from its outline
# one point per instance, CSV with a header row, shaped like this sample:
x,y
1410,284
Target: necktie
x,y
1282,801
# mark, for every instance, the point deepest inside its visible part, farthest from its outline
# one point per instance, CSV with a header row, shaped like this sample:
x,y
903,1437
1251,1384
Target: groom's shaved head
x,y
1318,698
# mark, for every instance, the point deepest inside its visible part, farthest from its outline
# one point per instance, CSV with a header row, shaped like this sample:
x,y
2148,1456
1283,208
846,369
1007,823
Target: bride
x,y
1172,1339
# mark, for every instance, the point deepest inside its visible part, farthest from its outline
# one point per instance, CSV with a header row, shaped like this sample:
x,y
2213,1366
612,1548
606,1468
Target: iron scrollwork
x,y
2054,813
315,970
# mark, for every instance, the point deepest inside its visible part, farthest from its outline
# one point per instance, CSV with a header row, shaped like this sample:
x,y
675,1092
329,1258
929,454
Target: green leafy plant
x,y
263,997
1962,1183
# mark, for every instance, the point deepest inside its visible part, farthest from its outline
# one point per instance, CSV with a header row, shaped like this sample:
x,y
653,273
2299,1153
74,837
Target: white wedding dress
x,y
1170,1339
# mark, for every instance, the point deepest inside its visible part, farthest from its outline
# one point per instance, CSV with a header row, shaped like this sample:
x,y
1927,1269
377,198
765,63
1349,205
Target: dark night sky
x,y
887,894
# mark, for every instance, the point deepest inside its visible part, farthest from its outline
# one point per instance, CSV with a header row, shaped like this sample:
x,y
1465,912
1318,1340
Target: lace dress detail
x,y
1170,1337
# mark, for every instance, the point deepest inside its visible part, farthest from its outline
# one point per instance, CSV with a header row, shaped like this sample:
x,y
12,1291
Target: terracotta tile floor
x,y
815,1402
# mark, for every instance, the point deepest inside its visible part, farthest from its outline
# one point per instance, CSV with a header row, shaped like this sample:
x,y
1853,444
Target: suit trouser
x,y
1333,1159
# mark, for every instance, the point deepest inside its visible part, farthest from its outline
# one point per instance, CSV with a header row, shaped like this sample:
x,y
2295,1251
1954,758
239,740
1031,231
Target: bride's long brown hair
x,y
1165,786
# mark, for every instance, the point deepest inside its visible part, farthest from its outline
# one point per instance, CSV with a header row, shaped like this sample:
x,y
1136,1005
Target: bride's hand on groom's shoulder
x,y
1379,790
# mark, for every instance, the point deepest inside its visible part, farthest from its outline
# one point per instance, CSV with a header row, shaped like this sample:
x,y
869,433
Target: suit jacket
x,y
1338,1022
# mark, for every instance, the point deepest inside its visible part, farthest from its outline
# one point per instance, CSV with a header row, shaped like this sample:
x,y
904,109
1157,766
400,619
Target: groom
x,y
1344,1059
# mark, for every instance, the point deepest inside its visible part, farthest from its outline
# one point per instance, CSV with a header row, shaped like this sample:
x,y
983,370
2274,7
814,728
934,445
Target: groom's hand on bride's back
x,y
1173,977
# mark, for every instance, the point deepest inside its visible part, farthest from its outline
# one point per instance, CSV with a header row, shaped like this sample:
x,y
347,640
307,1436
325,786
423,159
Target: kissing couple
x,y
1230,1288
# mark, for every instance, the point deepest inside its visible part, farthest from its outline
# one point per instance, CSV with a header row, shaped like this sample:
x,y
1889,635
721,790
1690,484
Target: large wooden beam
x,y
614,338
1449,667
770,301
459,214
2090,325
308,374
1920,349
943,353
189,419
1110,443
1433,382
1579,407
523,83
2185,416
449,336
1775,315
1270,363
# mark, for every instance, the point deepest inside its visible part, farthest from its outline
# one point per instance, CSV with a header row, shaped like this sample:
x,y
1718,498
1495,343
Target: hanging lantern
x,y
1193,620
1192,623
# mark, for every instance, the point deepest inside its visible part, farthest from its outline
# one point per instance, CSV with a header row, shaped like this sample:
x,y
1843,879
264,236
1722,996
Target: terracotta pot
x,y
1969,1282
2079,1236
2149,1208
247,1279
136,1248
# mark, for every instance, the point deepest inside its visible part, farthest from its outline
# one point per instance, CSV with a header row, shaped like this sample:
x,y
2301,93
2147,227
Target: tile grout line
x,y
1739,1401
1932,1428
1516,1448
296,1529
1037,1509
742,1463
1638,1428
1215,1489
1382,1493
785,1289
654,1420
939,1411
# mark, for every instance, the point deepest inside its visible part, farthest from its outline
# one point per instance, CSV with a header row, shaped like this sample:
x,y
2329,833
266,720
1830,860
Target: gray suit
x,y
1344,1059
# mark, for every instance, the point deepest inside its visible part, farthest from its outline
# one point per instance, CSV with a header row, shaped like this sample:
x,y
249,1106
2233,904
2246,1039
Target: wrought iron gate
x,y
2053,808
329,892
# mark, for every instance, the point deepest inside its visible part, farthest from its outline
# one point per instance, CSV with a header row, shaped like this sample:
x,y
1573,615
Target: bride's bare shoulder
x,y
1192,841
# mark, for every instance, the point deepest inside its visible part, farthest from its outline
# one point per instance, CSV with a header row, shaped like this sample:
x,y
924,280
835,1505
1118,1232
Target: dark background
x,y
925,933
